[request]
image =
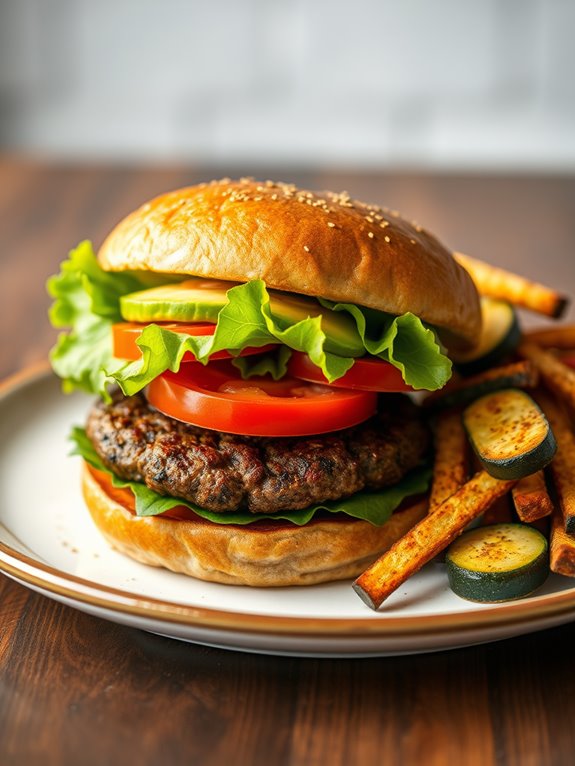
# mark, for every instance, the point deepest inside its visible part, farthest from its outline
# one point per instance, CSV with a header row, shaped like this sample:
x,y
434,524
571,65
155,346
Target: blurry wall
x,y
450,83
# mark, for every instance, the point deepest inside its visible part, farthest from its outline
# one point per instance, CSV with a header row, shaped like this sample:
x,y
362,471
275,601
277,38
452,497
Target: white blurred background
x,y
470,84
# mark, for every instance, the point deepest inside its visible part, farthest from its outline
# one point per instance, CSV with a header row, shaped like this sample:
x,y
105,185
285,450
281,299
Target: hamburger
x,y
253,347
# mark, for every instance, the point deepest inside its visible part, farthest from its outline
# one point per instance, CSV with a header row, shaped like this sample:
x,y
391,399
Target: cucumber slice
x,y
200,300
509,433
194,300
497,563
500,336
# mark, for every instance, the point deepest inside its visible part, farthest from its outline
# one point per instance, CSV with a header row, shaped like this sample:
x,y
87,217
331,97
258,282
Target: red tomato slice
x,y
367,374
125,335
216,397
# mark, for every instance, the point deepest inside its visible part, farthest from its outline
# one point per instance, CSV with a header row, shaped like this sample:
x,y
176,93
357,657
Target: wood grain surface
x,y
78,690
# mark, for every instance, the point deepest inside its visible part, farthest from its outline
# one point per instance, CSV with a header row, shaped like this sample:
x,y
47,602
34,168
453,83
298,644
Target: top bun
x,y
319,244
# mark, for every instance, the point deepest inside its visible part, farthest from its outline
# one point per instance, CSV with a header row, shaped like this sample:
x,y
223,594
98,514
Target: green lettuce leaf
x,y
273,363
87,300
375,507
404,341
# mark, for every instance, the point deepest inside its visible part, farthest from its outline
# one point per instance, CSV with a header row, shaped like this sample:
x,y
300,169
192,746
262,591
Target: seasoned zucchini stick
x,y
499,283
562,547
430,536
451,465
562,469
459,392
557,376
509,434
553,337
531,498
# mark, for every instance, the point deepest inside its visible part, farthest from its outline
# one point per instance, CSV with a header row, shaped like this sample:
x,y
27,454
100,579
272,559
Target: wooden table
x,y
78,690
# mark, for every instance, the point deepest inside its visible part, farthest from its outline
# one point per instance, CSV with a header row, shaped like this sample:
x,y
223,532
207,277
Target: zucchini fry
x,y
499,283
451,465
430,536
553,337
557,376
509,434
531,498
517,375
499,563
562,547
562,469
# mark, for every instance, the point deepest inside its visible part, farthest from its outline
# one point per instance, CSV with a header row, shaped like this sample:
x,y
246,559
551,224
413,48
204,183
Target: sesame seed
x,y
387,239
413,242
331,224
306,248
370,234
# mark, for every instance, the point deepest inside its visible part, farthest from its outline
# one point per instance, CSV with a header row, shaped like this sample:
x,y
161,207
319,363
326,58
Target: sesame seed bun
x,y
262,554
325,245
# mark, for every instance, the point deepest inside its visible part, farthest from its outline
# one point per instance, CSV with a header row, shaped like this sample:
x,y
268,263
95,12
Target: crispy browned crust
x,y
274,555
323,245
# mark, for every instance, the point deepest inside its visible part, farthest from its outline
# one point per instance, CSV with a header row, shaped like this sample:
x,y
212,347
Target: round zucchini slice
x,y
500,336
509,434
500,562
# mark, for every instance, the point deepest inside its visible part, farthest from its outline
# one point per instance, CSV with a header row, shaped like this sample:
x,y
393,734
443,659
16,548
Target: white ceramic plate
x,y
48,542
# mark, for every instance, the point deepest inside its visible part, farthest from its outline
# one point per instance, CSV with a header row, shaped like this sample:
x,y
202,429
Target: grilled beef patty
x,y
225,472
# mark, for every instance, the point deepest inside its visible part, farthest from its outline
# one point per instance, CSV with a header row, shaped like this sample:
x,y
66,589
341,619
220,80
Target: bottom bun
x,y
262,554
